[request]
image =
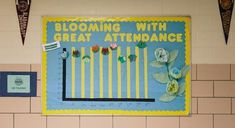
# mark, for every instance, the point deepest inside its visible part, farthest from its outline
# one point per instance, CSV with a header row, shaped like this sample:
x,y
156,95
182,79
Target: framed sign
x,y
120,66
18,84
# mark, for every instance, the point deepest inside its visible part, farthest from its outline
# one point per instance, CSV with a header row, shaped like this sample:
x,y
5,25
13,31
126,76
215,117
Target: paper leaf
x,y
161,77
173,55
170,65
181,89
185,70
167,98
156,64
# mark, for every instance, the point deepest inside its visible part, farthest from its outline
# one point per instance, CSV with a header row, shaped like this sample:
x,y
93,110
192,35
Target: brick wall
x,y
213,105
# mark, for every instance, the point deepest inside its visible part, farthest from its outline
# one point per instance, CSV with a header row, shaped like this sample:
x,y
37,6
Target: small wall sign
x,y
17,84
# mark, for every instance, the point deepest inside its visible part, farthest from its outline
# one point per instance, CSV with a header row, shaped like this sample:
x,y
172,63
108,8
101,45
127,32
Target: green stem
x,y
168,71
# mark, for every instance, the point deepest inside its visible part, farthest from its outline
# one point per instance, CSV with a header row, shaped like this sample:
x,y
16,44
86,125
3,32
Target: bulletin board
x,y
116,65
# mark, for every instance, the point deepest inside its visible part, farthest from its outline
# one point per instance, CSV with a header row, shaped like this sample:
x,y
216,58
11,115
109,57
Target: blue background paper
x,y
155,89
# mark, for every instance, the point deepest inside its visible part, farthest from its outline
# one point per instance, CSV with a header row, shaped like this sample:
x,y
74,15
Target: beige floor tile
x,y
6,120
96,121
39,88
202,88
163,122
193,71
233,105
233,71
196,121
14,104
224,88
194,105
213,72
14,67
214,105
36,105
63,122
224,121
129,122
30,121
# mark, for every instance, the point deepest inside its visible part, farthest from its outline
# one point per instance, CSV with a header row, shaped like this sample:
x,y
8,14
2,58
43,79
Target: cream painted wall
x,y
207,37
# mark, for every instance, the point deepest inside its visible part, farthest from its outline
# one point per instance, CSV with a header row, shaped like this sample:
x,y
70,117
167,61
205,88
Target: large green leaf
x,y
185,70
173,55
156,64
167,98
161,77
171,64
181,89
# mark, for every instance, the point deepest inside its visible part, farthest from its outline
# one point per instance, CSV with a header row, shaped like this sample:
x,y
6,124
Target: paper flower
x,y
161,55
86,58
105,51
172,87
122,59
113,46
132,57
64,55
95,48
141,44
175,73
76,53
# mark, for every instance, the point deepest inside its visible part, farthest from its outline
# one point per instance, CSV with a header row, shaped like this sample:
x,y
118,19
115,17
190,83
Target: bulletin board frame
x,y
187,95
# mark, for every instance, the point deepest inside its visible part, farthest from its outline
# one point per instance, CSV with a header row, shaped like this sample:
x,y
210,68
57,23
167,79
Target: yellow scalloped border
x,y
185,19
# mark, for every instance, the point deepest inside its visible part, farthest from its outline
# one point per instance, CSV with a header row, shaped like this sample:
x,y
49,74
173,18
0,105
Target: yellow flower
x,y
172,87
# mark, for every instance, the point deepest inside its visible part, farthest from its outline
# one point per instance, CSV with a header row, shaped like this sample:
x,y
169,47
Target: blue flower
x,y
122,59
161,55
64,55
76,53
132,57
141,44
172,87
175,73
